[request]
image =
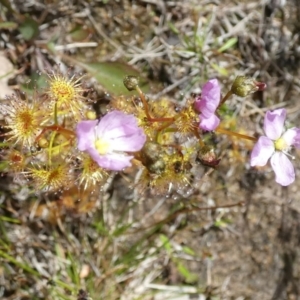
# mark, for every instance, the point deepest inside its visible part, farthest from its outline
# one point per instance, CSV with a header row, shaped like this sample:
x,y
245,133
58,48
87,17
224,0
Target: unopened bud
x,y
244,86
208,157
91,115
43,143
131,82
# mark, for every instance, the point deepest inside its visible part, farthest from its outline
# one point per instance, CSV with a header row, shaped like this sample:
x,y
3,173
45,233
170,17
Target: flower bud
x,y
91,115
208,157
131,82
244,86
43,143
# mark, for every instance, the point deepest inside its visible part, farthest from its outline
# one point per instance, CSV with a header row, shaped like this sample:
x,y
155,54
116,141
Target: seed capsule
x,y
244,86
131,82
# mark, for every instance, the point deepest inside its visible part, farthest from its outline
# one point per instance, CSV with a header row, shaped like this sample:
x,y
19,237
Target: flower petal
x,y
273,123
130,143
210,98
283,168
116,161
112,161
121,132
85,132
262,151
211,91
292,137
118,132
210,123
115,124
206,108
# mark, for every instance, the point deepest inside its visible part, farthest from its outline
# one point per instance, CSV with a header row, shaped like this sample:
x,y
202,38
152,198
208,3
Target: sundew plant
x,y
149,150
55,140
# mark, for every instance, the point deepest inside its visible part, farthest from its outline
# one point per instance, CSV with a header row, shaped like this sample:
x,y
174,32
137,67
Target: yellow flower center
x,y
281,145
62,90
102,146
24,121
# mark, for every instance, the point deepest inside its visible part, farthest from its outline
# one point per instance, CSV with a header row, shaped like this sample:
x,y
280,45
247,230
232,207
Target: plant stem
x,y
242,136
50,146
55,113
146,107
199,138
145,104
229,94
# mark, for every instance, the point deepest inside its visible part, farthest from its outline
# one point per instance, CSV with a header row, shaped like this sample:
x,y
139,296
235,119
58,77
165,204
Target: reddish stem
x,y
147,111
145,104
229,94
242,136
199,138
57,128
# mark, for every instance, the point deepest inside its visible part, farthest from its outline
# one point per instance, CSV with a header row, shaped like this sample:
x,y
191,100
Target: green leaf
x,y
29,29
222,223
78,33
51,47
21,265
188,276
10,220
166,243
72,270
220,70
229,44
101,229
173,28
4,144
8,25
188,250
111,74
3,166
120,230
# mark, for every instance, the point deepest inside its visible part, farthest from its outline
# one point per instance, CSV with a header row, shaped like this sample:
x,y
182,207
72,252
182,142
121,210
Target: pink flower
x,y
275,145
107,140
207,104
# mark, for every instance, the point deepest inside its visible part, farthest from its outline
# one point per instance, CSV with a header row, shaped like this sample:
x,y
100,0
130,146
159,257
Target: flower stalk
x,y
235,134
